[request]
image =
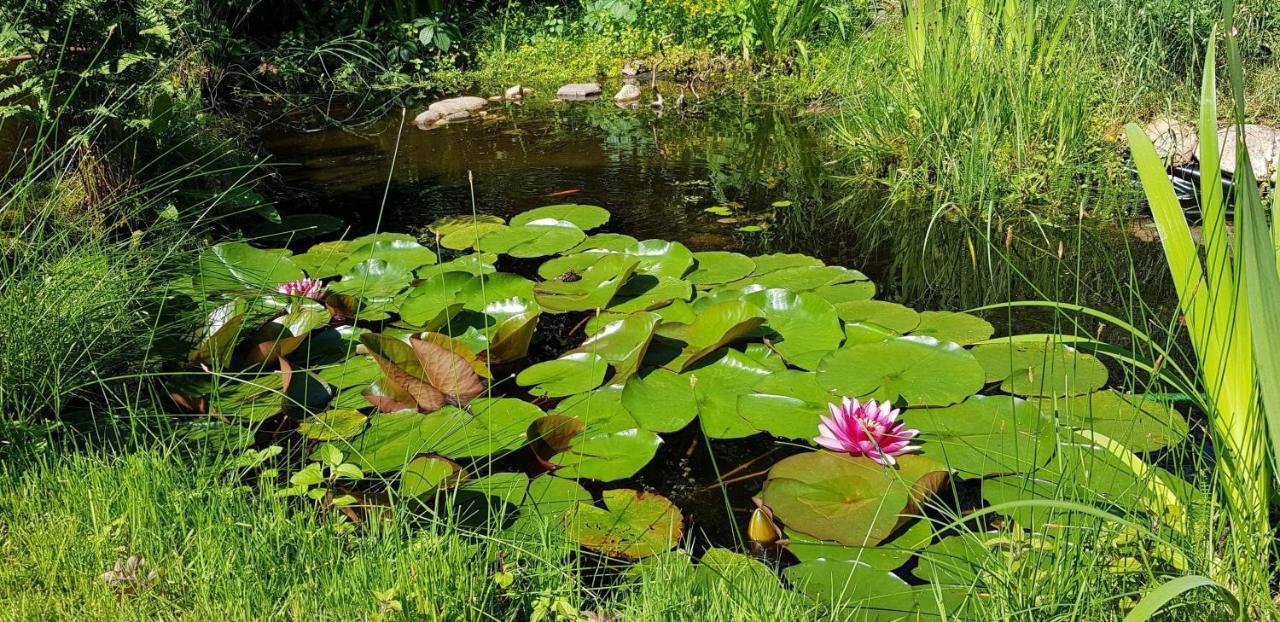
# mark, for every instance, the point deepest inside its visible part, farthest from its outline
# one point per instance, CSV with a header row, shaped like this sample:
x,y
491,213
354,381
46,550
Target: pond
x,y
753,179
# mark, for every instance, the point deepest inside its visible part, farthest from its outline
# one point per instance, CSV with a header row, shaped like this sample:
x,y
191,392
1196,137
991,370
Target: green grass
x,y
223,550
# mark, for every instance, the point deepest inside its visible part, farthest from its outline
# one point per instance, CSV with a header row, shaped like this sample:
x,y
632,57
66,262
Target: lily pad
x,y
396,249
715,267
786,403
777,261
714,327
807,324
535,238
234,266
622,343
851,500
425,474
661,400
985,435
468,236
374,278
605,444
448,224
567,375
645,291
718,383
586,217
917,370
594,288
1139,423
333,424
1040,369
868,594
888,315
961,328
632,524
889,555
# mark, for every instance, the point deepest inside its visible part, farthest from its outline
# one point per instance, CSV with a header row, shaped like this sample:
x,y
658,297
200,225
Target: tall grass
x,y
983,100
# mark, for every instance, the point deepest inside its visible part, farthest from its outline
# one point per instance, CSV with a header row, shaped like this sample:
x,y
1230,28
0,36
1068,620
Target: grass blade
x,y
1155,600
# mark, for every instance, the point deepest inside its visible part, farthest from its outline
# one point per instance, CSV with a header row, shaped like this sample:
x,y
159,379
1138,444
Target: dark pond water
x,y
778,171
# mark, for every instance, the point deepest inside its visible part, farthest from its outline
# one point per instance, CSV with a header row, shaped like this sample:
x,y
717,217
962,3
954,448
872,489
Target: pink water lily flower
x,y
306,287
866,429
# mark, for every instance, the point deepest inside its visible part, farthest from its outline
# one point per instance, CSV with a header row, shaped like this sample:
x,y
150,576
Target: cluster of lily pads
x,y
409,366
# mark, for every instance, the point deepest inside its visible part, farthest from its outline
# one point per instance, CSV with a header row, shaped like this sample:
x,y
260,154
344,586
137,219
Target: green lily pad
x,y
536,238
888,315
468,236
234,266
777,261
605,442
807,324
622,343
324,260
918,370
715,267
1140,424
553,496
850,500
333,424
847,292
449,224
804,278
632,524
1040,369
390,442
661,400
586,217
424,475
867,594
961,328
398,250
595,287
888,555
353,372
718,383
567,375
605,241
435,300
985,435
644,292
714,327
373,279
787,404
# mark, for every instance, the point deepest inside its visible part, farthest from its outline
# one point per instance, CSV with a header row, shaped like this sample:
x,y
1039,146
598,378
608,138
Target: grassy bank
x,y
221,549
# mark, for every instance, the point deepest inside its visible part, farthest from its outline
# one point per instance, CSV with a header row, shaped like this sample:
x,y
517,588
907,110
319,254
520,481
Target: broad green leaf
x,y
632,524
397,250
333,424
586,217
374,278
660,400
917,370
716,267
536,238
714,327
594,288
807,324
234,266
1040,369
961,328
567,375
985,435
622,343
1139,423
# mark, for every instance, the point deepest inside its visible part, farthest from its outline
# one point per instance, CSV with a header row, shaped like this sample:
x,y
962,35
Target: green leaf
x,y
961,328
632,524
889,555
537,238
333,424
397,250
645,291
1041,369
234,266
593,290
917,370
1139,423
850,500
374,278
807,324
661,400
891,316
622,343
567,375
985,435
718,385
715,267
586,217
425,474
714,327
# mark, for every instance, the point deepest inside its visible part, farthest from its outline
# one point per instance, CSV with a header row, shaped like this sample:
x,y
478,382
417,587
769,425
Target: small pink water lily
x,y
306,287
866,429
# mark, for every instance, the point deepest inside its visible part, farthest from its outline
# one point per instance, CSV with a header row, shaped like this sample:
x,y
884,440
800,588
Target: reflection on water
x,y
659,173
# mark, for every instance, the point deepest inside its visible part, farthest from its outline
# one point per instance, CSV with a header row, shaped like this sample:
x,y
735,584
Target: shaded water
x,y
658,173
